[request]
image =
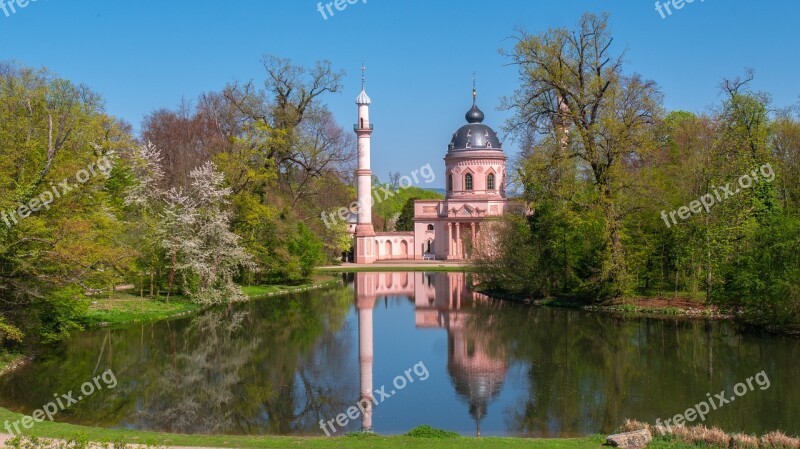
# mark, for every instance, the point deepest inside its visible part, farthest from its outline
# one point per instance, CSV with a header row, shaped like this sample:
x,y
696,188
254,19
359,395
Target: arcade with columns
x,y
475,173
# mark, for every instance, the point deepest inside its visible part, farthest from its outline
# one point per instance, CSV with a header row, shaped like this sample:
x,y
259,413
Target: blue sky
x,y
420,54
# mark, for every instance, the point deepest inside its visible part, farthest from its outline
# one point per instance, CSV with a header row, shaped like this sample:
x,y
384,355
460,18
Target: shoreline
x,y
657,307
59,435
634,306
186,309
62,432
17,361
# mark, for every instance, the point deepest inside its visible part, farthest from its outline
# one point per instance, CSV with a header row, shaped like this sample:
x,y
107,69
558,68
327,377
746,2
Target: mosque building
x,y
475,174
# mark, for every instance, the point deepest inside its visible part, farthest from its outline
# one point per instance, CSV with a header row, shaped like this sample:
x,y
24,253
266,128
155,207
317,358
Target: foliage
x,y
51,133
604,171
593,116
397,204
431,432
193,229
405,221
762,277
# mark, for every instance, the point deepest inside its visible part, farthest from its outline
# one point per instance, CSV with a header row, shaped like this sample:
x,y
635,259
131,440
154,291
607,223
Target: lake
x,y
429,349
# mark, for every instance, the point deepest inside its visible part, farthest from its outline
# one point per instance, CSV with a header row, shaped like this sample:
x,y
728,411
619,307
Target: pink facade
x,y
449,229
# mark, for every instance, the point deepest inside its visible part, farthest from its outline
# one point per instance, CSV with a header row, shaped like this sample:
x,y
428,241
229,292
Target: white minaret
x,y
364,246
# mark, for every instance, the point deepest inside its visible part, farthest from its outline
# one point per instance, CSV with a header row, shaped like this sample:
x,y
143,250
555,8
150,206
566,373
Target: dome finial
x,y
474,115
363,77
474,90
363,98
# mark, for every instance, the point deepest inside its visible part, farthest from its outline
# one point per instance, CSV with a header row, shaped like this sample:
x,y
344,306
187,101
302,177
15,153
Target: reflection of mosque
x,y
448,303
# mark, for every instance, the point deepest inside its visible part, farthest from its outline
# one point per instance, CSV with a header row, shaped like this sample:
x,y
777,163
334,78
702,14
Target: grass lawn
x,y
48,429
126,308
321,279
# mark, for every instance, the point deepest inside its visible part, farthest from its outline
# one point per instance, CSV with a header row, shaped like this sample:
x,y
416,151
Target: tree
x,y
405,222
70,242
574,89
193,229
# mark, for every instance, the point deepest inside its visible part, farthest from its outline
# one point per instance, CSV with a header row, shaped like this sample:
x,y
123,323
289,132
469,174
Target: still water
x,y
465,363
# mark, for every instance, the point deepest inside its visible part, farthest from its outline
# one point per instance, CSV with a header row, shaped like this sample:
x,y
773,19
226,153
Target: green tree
x,y
574,89
59,158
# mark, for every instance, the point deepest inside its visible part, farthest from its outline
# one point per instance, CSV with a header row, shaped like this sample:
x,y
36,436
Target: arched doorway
x,y
403,248
388,247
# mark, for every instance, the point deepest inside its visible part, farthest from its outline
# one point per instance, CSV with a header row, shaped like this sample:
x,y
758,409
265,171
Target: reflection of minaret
x,y
478,376
364,247
365,301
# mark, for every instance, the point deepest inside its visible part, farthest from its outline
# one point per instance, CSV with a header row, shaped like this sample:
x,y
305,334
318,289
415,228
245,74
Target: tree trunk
x,y
171,275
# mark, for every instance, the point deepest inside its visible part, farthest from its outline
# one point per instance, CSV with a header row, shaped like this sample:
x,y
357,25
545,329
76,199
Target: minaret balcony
x,y
357,127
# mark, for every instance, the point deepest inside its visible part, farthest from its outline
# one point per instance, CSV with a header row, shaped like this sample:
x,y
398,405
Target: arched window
x,y
468,181
430,227
449,183
490,181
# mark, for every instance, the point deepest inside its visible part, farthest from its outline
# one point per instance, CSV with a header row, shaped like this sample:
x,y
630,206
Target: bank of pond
x,y
440,353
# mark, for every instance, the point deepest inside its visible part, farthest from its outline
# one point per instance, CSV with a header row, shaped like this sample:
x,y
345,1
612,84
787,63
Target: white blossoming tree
x,y
192,228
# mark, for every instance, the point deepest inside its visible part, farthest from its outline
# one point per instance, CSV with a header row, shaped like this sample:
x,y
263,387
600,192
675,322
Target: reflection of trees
x,y
280,365
268,371
268,366
197,389
298,377
588,372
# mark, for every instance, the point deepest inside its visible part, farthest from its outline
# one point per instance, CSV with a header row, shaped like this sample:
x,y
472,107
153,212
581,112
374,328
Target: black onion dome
x,y
475,135
474,115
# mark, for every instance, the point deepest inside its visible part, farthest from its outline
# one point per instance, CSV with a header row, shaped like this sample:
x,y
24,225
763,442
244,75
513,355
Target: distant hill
x,y
442,192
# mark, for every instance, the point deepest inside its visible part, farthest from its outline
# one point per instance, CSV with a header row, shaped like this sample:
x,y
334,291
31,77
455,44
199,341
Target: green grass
x,y
426,437
257,291
356,441
126,308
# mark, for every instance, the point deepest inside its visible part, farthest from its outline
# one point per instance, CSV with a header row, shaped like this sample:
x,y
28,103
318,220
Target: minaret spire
x,y
474,90
363,77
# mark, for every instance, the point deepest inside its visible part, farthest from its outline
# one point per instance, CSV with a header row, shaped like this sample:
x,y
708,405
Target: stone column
x,y
449,240
474,242
458,238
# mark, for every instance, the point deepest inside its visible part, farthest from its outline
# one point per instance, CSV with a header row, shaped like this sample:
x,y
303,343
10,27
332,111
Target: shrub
x,y
743,441
701,435
631,425
777,440
431,432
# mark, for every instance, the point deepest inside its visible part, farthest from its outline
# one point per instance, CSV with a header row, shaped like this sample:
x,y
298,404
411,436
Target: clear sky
x,y
420,54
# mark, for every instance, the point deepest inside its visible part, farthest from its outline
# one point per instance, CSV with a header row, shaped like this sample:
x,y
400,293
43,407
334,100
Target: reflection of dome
x,y
477,377
475,135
